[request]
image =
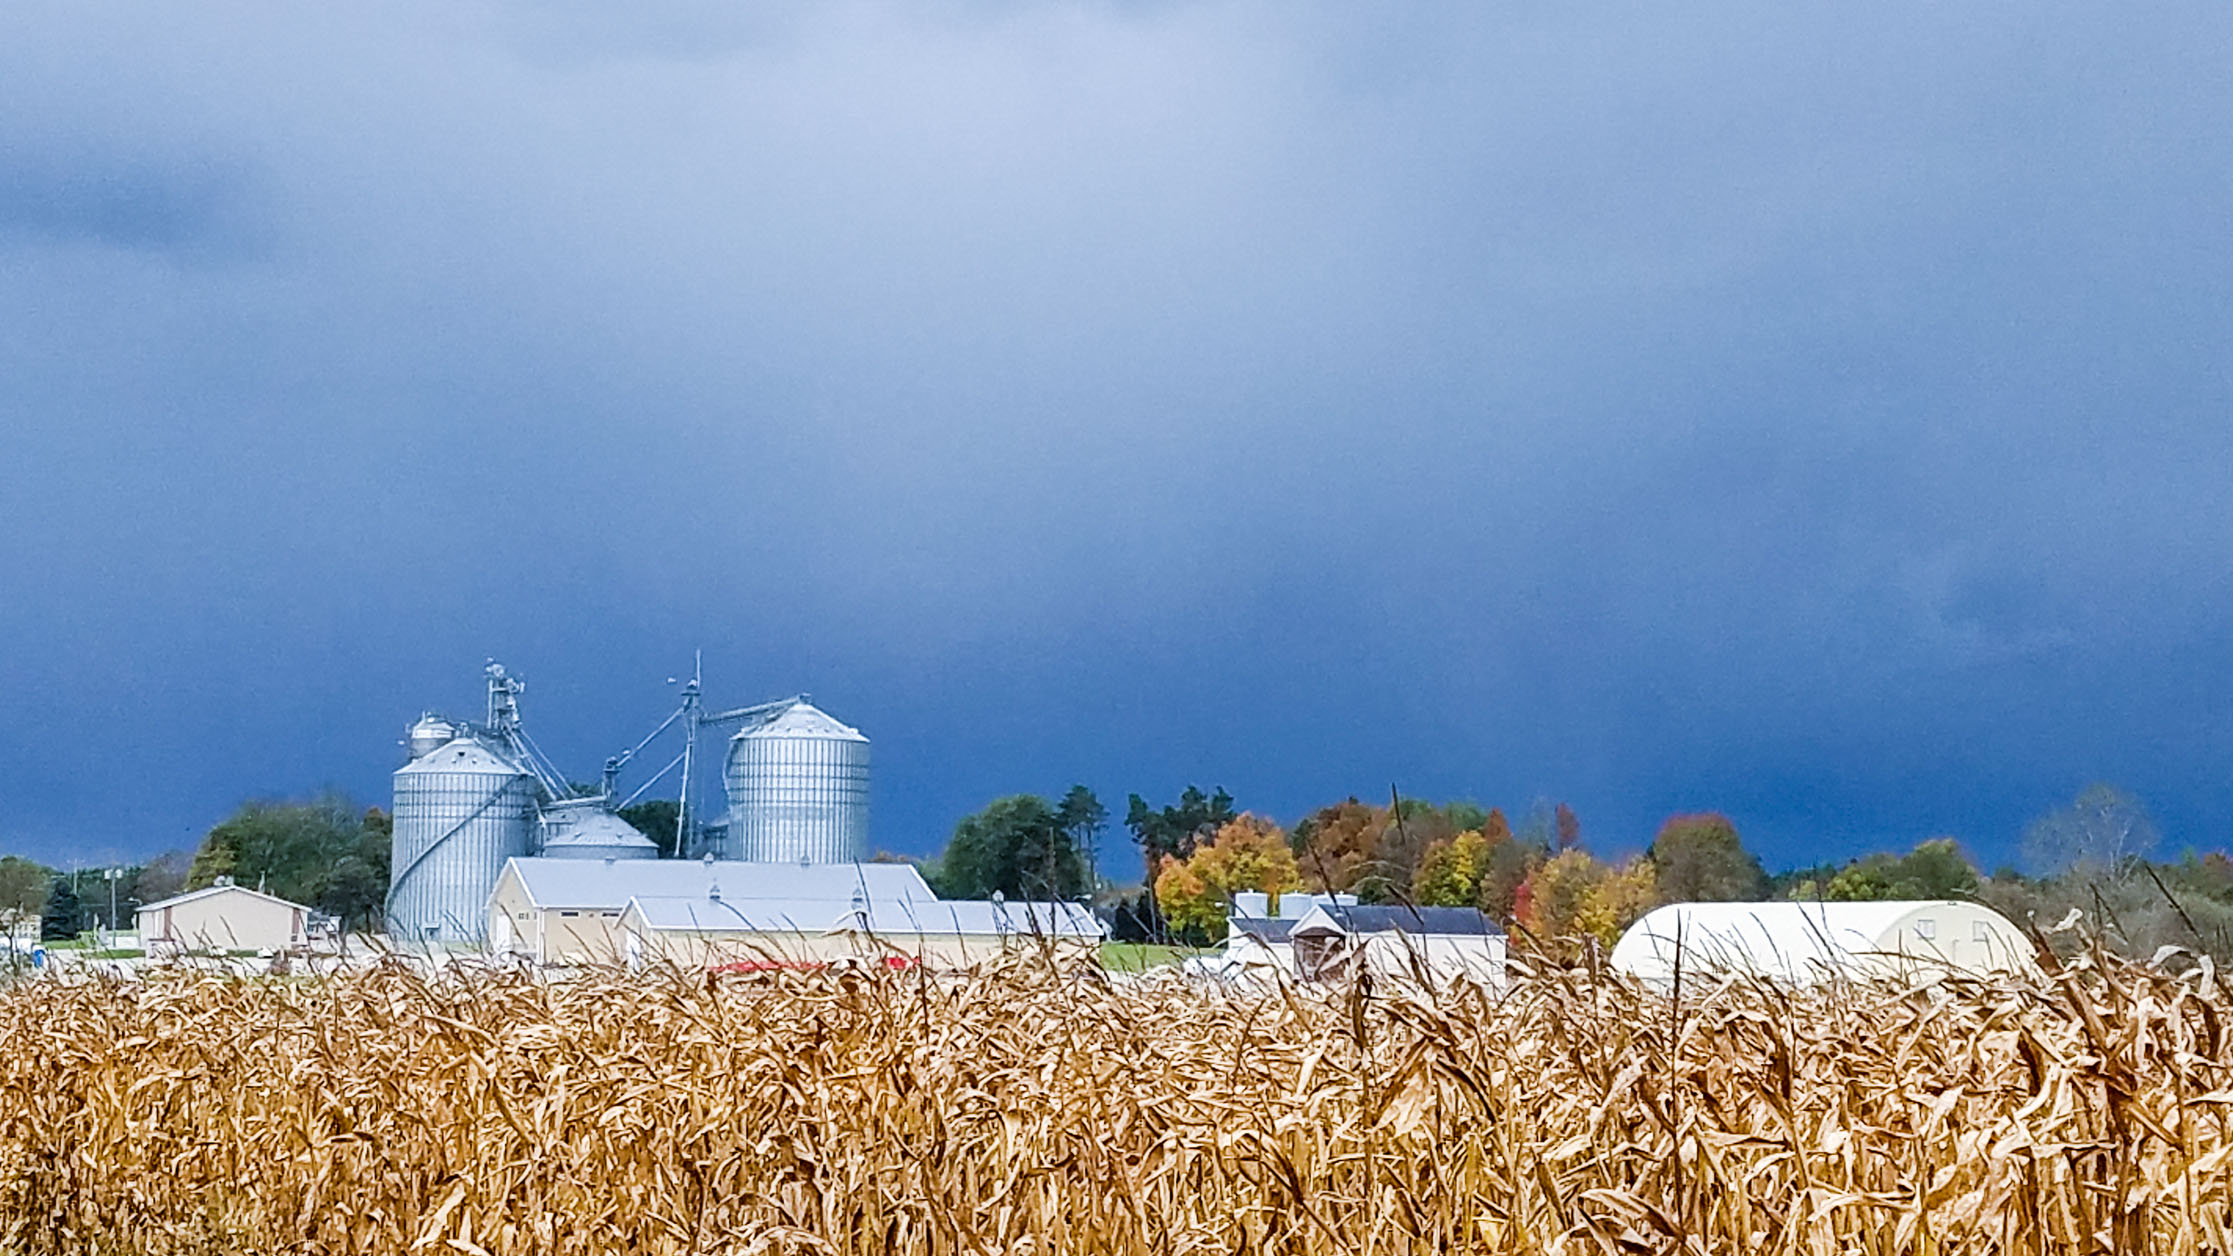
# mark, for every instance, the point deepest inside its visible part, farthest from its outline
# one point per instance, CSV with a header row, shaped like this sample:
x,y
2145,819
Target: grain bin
x,y
582,829
428,734
798,789
461,810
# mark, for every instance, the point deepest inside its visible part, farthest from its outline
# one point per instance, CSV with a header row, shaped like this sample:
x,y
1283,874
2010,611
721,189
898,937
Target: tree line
x,y
1540,878
324,852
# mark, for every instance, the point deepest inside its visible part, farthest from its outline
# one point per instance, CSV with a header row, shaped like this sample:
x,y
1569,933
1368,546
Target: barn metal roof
x,y
1272,929
890,918
595,883
212,891
701,914
1417,921
947,917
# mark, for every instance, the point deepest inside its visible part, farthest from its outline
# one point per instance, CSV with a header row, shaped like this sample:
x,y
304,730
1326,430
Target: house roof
x,y
594,883
212,891
1272,929
1417,921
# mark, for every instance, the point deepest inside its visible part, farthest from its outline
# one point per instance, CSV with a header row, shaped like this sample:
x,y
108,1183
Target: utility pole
x,y
112,876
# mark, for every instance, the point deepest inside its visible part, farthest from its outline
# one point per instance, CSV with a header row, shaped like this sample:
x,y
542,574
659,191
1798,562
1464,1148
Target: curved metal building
x,y
798,789
461,810
583,829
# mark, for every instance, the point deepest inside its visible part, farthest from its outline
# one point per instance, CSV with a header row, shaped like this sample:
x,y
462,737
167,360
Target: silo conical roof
x,y
590,830
466,754
803,719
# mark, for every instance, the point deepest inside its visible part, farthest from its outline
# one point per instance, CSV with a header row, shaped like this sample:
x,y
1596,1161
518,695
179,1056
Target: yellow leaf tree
x,y
1450,873
1572,898
1249,853
1619,899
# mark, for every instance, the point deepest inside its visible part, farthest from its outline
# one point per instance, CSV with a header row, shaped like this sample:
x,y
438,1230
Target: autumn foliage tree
x,y
1699,859
1450,874
1334,846
1573,898
1248,853
1481,868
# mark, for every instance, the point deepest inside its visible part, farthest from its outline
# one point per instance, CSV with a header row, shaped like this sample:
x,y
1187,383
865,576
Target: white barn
x,y
568,911
1807,943
1259,938
1399,943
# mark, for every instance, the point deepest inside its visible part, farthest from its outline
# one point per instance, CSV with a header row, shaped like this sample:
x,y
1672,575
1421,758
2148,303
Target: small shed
x,y
1399,942
223,917
1807,943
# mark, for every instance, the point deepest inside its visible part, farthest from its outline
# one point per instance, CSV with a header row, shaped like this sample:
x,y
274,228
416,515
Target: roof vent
x,y
709,859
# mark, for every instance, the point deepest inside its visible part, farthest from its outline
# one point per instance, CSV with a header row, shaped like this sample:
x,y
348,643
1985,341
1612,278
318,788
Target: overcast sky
x,y
1815,413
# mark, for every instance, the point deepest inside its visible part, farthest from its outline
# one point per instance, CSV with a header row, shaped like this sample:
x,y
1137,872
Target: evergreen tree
x,y
63,917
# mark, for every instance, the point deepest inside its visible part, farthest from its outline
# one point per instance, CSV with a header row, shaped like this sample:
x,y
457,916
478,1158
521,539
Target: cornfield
x,y
1026,1110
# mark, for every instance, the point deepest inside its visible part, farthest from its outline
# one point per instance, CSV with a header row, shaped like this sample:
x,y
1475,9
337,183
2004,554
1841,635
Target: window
x,y
1979,931
569,914
1926,928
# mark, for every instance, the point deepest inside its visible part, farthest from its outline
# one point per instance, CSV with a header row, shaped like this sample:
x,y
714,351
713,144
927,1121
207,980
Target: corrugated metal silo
x,y
429,734
460,812
798,789
583,829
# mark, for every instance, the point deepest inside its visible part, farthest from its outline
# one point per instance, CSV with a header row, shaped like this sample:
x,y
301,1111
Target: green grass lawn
x,y
1135,957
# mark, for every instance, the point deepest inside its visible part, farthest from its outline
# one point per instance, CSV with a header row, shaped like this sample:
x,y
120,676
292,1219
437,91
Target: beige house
x,y
941,934
568,911
223,917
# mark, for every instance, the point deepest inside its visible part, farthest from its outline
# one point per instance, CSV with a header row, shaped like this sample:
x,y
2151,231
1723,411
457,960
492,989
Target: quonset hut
x,y
1798,944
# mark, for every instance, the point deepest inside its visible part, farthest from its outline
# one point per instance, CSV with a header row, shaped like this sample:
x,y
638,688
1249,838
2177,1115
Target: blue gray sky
x,y
1817,413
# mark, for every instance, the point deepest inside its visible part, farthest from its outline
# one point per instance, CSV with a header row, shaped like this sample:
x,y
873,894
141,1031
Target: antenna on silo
x,y
692,697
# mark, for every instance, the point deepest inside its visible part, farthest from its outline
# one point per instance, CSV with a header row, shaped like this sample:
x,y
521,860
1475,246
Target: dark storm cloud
x,y
126,204
1820,415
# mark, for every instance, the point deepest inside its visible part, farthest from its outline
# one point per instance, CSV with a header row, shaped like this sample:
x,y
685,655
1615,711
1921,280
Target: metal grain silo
x,y
430,733
583,829
461,810
798,789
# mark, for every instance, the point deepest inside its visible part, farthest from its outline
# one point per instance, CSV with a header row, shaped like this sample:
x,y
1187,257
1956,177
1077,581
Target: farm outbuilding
x,y
568,911
713,931
1807,943
223,917
1259,936
1336,942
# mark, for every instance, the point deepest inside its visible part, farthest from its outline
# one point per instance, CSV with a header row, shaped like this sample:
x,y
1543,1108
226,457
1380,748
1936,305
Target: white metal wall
x,y
798,799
